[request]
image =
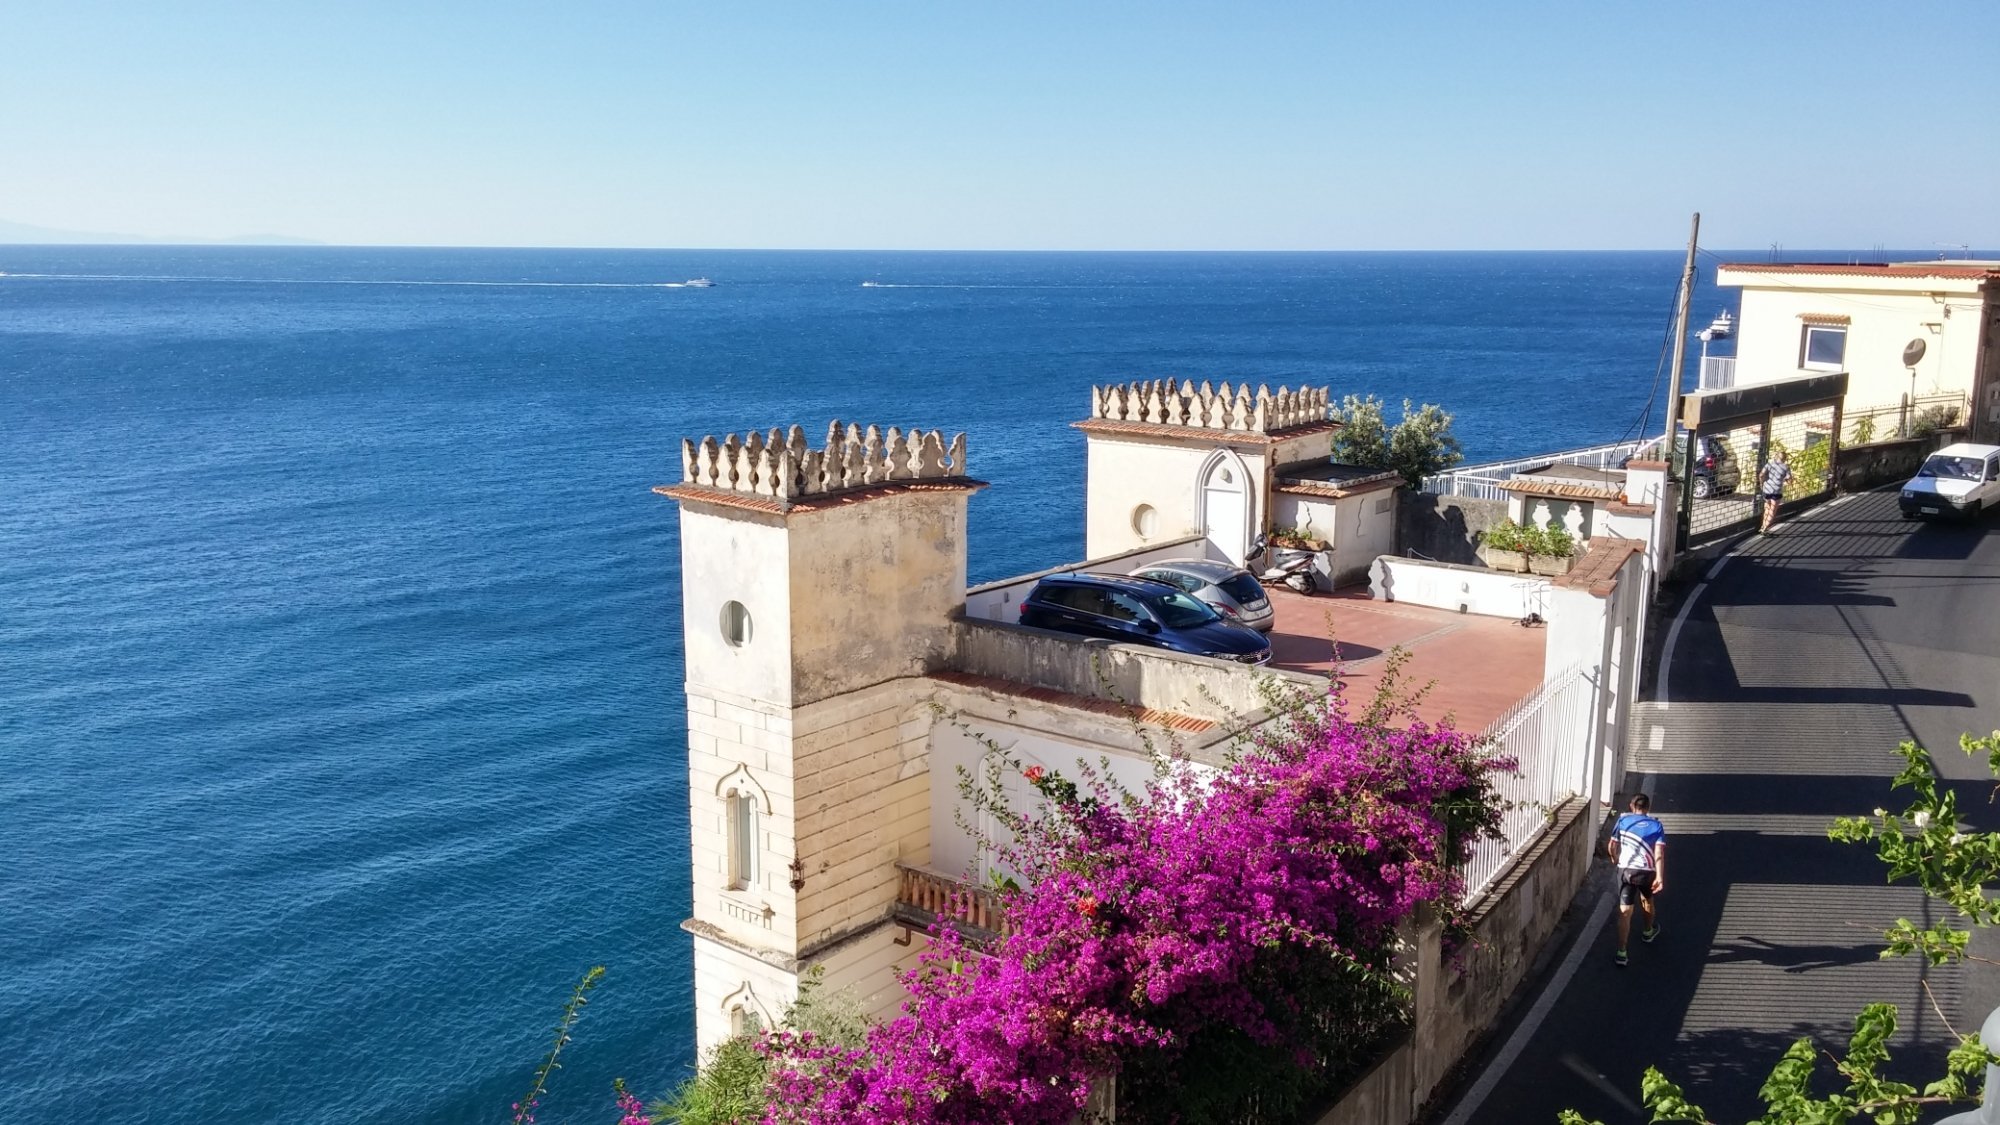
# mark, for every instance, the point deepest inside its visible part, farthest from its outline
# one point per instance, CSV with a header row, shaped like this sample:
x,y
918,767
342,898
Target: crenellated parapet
x,y
778,465
1170,402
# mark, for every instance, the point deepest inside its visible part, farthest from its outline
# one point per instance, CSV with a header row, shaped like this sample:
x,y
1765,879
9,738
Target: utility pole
x,y
1674,389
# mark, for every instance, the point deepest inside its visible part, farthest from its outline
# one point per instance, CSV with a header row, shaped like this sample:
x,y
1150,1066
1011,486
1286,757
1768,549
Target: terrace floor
x,y
1477,666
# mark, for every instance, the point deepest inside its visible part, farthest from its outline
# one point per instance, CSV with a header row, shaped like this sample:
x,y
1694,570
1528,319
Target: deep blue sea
x,y
340,686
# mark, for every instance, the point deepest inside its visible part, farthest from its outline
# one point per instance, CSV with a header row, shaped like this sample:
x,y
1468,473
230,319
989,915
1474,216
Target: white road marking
x,y
1502,1062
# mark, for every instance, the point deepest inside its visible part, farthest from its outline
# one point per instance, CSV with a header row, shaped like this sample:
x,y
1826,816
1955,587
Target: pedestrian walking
x,y
1638,845
1776,475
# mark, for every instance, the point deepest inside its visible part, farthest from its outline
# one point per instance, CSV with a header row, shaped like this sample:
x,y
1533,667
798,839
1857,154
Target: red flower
x,y
1034,774
1087,906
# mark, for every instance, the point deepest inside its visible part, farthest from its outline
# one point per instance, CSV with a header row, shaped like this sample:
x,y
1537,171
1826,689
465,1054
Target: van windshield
x,y
1953,468
1178,611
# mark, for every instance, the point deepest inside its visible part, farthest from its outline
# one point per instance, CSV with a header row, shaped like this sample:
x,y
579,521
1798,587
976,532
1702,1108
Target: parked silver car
x,y
1233,591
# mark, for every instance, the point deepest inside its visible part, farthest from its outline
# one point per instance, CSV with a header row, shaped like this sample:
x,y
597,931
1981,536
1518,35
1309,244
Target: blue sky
x,y
1018,125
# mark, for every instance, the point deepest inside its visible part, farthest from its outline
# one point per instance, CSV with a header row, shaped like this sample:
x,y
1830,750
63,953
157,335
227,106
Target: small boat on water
x,y
871,285
698,283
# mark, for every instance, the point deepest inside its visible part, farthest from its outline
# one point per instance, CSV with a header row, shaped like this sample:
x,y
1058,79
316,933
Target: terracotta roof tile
x,y
1597,570
1866,269
1569,490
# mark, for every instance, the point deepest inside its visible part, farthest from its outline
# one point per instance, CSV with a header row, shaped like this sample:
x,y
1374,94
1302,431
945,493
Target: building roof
x,y
1960,270
1560,489
1334,480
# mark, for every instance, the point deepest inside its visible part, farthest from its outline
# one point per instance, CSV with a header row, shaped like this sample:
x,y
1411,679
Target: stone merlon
x,y
1169,402
779,466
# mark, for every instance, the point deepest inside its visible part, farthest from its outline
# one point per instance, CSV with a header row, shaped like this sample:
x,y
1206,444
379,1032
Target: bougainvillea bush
x,y
1220,943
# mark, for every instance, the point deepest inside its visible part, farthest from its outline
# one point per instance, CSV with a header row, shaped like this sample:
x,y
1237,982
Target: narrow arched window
x,y
742,841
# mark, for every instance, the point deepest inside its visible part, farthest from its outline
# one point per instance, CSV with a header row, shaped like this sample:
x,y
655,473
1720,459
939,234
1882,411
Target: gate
x,y
1731,435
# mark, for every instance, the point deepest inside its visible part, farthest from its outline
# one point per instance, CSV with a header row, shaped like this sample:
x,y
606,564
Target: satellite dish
x,y
1912,352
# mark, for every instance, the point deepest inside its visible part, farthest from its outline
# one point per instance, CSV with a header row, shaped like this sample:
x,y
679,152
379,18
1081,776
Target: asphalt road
x,y
1809,655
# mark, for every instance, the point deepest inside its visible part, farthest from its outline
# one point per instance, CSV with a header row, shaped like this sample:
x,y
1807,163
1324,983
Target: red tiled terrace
x,y
1478,666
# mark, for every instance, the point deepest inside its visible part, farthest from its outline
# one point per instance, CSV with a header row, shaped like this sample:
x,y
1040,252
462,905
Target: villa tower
x,y
818,589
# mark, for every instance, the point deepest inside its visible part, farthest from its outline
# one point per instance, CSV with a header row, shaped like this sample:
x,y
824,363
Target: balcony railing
x,y
924,899
1718,372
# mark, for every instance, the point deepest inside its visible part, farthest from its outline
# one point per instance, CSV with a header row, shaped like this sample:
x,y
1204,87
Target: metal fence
x,y
1482,482
1905,418
1729,461
1548,735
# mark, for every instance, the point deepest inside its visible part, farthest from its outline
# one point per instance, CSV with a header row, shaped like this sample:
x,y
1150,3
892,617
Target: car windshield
x,y
1178,611
1242,588
1953,468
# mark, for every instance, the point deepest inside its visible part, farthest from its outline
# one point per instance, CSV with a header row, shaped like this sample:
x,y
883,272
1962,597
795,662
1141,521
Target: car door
x,y
1126,618
1989,489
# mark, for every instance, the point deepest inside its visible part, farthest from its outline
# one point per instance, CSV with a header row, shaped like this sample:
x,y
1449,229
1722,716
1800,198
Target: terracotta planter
x,y
1550,565
1498,559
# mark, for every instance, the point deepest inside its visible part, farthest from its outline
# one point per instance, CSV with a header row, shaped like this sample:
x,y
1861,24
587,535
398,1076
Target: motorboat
x,y
698,283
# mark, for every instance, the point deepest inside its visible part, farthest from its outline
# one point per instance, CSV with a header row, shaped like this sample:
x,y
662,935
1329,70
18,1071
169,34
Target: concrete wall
x,y
874,586
1444,528
1886,313
1145,677
1492,593
1024,735
1000,600
1861,467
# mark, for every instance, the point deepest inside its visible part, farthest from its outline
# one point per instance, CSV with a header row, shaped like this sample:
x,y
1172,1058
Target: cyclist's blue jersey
x,y
1639,838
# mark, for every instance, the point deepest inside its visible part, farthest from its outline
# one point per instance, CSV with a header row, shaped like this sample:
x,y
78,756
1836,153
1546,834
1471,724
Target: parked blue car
x,y
1139,611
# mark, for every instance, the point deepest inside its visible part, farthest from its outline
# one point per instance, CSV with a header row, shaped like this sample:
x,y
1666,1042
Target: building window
x,y
742,841
1145,521
1822,347
735,624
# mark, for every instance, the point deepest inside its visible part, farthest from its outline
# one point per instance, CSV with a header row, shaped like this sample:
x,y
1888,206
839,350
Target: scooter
x,y
1290,566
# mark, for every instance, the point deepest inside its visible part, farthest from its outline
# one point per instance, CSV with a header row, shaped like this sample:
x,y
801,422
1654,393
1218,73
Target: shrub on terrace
x,y
1214,944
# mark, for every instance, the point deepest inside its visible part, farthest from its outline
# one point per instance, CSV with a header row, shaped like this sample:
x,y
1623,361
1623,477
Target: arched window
x,y
742,841
744,802
746,1011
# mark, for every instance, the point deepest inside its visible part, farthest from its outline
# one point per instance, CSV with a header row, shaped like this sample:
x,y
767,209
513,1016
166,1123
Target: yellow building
x,y
1908,334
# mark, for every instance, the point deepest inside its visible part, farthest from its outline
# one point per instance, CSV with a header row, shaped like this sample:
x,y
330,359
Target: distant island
x,y
24,234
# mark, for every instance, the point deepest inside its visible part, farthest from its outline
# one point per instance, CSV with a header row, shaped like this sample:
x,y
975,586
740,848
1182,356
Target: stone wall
x,y
1444,528
1143,677
1862,467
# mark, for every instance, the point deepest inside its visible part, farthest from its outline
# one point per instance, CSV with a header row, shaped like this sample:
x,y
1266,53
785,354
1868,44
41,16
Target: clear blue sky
x,y
955,124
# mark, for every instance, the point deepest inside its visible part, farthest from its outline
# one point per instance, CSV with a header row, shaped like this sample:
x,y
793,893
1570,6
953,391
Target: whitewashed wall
x,y
1886,314
1447,586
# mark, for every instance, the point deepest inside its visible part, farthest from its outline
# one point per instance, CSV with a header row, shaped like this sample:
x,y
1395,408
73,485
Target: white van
x,y
1958,480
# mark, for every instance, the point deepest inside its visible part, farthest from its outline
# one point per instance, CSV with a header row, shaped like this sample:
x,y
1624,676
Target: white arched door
x,y
1225,505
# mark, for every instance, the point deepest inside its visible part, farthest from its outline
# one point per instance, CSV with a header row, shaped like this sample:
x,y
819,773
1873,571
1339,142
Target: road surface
x,y
1798,667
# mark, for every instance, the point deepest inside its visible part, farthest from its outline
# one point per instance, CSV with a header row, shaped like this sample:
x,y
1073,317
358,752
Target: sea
x,y
340,678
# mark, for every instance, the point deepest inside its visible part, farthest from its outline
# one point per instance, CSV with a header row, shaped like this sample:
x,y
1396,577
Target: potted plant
x,y
1551,549
1298,538
1504,546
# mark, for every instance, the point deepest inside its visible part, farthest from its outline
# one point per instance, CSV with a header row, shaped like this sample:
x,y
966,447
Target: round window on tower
x,y
735,624
1145,521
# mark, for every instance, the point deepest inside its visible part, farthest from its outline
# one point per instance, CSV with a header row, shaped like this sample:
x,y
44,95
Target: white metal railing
x,y
1718,372
1482,482
1907,416
1548,734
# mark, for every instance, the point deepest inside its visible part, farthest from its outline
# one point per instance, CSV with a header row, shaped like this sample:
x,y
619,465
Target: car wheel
x,y
1703,487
